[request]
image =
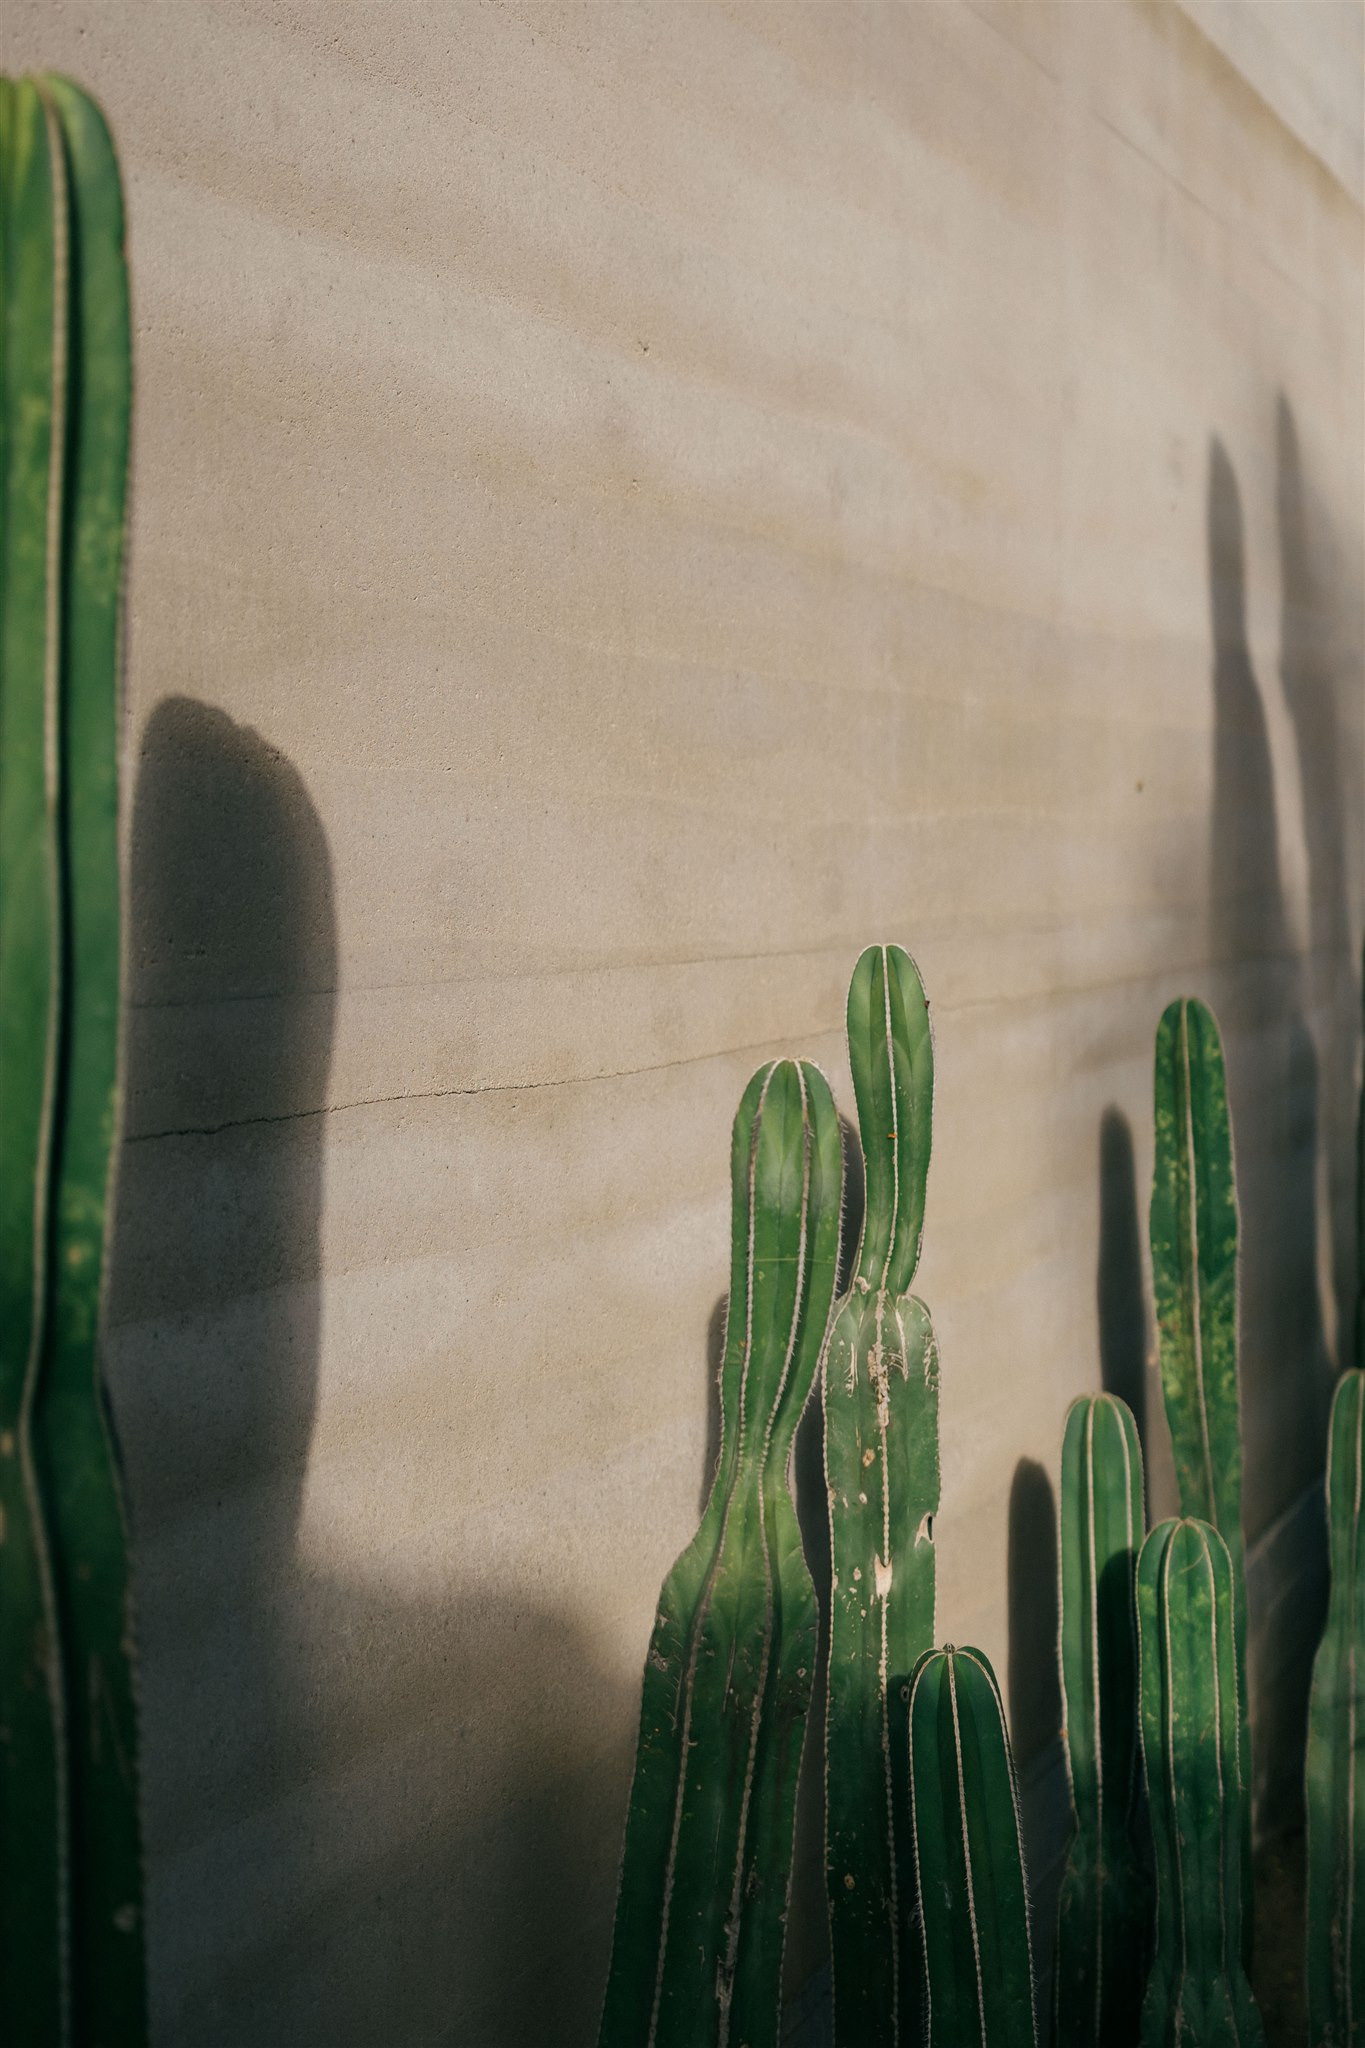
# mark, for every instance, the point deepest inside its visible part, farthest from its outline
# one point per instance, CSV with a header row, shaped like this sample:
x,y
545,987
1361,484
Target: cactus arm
x,y
882,1476
32,1786
968,1853
1198,1995
697,1951
891,1053
1194,1231
1194,1239
761,1919
1335,1773
1104,1908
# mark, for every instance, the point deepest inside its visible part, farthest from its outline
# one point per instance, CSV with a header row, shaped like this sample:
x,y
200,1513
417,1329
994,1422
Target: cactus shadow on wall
x,y
1285,1105
346,1838
1035,1698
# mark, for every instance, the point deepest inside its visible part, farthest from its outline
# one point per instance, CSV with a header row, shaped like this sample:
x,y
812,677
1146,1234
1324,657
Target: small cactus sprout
x,y
1194,1230
969,1857
1336,1748
1104,1917
700,1917
1197,1995
71,1942
881,1466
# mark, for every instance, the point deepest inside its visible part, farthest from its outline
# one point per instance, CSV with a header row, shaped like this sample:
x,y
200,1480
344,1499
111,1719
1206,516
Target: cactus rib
x,y
1103,1925
1336,1746
697,1950
882,1477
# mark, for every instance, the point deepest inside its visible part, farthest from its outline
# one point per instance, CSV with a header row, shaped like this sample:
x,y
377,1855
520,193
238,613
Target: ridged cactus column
x,y
700,1918
1336,1748
1197,1995
969,1857
881,1464
1194,1233
1104,1917
71,1949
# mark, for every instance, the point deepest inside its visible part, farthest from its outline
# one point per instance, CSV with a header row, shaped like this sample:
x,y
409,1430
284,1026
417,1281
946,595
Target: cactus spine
x,y
1197,1995
968,1853
697,1951
1336,1747
71,1945
1103,1928
1194,1230
881,1468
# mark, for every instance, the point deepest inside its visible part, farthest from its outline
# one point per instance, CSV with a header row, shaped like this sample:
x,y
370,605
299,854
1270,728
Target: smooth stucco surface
x,y
632,504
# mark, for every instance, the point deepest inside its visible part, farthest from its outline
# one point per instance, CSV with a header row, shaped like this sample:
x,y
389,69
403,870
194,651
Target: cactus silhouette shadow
x,y
1290,1082
343,1837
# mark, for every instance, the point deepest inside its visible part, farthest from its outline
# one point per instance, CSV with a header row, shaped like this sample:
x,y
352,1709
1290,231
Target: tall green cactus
x,y
1194,1232
700,1918
1335,1777
1104,1916
969,1859
881,1466
1197,1994
71,1940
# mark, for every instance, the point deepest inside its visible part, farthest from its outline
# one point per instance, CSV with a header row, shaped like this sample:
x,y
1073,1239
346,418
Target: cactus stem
x,y
1196,1320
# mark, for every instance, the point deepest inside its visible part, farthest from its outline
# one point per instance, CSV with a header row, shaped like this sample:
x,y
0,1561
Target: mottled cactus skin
x,y
700,1918
1104,1914
969,1860
1194,1237
71,1941
1336,1748
882,1470
1198,1995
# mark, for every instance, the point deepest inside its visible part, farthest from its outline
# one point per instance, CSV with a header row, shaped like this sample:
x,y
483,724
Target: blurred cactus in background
x,y
706,1872
1335,1776
881,1466
1104,1918
71,1936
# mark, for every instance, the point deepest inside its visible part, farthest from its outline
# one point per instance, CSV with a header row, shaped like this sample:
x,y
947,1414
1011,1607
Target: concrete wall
x,y
630,505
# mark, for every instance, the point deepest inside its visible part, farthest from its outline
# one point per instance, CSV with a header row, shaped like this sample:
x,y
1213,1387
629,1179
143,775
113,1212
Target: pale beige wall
x,y
631,504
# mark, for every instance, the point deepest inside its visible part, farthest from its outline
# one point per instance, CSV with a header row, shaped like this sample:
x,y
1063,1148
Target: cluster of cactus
x,y
71,1940
928,1902
917,1799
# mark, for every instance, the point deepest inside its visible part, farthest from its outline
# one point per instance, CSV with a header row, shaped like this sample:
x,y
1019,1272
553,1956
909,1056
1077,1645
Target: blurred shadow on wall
x,y
1273,1083
1035,1695
1313,654
347,1837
